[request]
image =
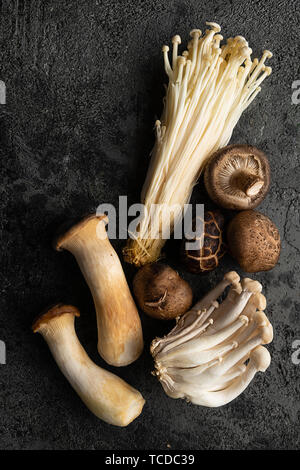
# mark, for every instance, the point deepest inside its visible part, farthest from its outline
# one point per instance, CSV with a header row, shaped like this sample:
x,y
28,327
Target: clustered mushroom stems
x,y
215,350
120,337
106,395
209,88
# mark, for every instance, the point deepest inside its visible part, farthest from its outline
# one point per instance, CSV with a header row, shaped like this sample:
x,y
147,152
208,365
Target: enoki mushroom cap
x,y
214,26
195,33
176,39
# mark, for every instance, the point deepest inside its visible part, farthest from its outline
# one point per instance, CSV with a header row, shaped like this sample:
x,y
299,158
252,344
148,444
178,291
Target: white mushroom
x,y
259,361
120,337
106,395
204,358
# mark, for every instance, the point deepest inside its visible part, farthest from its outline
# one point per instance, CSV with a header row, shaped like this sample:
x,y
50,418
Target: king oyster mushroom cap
x,y
120,337
237,177
203,359
106,395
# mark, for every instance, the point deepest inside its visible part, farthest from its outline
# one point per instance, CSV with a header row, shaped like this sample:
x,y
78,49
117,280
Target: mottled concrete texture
x,y
84,86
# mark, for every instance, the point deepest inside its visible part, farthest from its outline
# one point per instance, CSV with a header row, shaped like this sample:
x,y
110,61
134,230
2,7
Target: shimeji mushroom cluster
x,y
215,350
209,88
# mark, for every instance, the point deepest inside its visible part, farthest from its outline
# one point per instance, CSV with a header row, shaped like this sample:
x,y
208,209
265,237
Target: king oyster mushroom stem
x,y
106,395
120,337
203,359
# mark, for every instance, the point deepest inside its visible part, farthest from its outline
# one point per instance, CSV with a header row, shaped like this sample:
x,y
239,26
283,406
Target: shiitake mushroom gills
x,y
210,246
161,292
237,177
254,241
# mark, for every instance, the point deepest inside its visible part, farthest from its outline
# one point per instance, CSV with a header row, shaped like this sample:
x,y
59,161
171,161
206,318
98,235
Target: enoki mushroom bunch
x,y
209,88
215,350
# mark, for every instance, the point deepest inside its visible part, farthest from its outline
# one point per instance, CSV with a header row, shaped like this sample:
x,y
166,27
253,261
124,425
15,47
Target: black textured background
x,y
84,86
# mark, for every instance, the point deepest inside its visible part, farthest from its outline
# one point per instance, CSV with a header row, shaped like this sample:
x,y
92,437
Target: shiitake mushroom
x,y
237,177
254,241
210,247
161,292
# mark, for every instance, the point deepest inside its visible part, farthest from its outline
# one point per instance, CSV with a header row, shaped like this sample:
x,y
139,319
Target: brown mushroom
x,y
161,292
237,177
254,241
206,254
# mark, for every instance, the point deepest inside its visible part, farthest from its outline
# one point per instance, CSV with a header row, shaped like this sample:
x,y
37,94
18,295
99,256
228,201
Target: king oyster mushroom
x,y
105,394
120,336
237,177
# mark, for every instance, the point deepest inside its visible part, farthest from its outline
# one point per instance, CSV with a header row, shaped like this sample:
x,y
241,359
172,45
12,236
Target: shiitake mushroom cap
x,y
254,241
161,292
237,177
211,248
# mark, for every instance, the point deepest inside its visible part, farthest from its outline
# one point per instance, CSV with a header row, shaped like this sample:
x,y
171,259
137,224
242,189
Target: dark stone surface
x,y
84,85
